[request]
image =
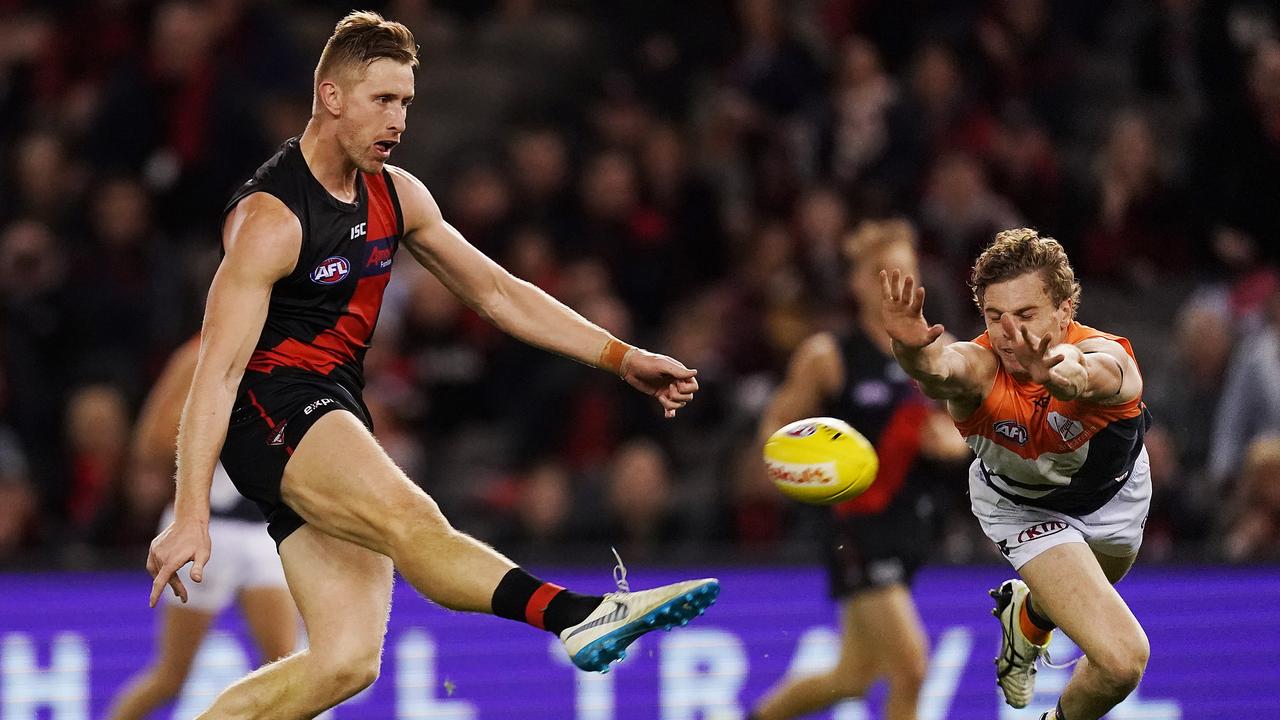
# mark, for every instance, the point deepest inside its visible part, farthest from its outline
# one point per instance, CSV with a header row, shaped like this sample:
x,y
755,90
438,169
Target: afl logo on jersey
x,y
331,270
1012,430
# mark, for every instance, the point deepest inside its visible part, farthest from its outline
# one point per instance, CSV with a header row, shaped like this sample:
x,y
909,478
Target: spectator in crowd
x,y
18,502
1253,533
1137,217
1249,405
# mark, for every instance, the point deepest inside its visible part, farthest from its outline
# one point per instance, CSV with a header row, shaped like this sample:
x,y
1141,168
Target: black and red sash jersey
x,y
322,315
879,400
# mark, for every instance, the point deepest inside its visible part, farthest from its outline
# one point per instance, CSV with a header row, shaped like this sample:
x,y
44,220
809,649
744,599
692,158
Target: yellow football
x,y
820,461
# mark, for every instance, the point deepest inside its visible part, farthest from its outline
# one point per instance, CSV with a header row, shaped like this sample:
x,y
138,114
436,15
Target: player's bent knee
x,y
342,676
1122,666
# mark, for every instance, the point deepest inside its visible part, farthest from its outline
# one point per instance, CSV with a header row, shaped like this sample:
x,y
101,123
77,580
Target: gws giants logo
x,y
1066,427
331,270
1012,430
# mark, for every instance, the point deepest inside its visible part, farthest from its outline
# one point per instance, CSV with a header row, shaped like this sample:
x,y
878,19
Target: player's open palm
x,y
1033,353
902,306
180,543
665,378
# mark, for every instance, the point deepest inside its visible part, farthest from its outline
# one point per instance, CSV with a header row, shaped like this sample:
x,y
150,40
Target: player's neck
x,y
327,162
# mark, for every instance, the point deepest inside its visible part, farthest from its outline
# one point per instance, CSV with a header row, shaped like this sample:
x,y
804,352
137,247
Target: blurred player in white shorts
x,y
244,560
1061,484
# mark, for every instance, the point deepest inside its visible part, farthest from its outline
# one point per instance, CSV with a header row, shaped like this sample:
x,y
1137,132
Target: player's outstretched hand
x,y
902,306
180,543
1033,354
665,378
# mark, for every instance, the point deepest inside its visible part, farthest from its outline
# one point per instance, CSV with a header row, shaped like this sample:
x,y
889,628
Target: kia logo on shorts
x,y
1038,531
331,270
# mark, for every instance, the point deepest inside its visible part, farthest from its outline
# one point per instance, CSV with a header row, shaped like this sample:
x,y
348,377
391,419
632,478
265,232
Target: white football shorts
x,y
1023,532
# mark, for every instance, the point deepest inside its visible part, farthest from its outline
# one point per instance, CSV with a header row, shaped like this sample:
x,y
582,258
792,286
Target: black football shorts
x,y
271,415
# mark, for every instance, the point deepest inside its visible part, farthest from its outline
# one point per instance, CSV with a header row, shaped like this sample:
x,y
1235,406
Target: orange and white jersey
x,y
1067,456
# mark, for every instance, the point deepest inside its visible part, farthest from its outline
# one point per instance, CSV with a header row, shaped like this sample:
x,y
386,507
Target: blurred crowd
x,y
683,174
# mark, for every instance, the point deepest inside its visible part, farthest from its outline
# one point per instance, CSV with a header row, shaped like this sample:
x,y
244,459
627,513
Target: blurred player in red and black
x,y
879,539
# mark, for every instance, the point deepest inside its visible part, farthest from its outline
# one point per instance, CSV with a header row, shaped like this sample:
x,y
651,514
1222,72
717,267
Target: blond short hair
x,y
360,38
872,236
1020,251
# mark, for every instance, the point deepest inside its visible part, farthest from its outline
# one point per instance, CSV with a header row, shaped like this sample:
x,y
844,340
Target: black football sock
x,y
1057,711
524,598
1036,618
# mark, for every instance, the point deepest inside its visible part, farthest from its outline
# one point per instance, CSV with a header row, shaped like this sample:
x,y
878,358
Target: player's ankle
x,y
546,606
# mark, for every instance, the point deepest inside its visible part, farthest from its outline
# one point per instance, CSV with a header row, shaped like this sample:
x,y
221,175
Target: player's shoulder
x,y
261,212
416,202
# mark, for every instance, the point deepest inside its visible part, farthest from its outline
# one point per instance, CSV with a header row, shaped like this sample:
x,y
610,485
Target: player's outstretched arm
x,y
958,371
1096,369
525,311
262,239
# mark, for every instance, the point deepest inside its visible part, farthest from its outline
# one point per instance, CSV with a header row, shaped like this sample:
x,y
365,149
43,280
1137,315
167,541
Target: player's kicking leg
x,y
342,482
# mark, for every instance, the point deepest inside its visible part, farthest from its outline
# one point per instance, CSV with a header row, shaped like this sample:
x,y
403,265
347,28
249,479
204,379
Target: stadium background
x,y
683,174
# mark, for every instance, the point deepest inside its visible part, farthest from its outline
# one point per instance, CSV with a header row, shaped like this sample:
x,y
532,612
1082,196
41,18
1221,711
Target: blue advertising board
x,y
68,642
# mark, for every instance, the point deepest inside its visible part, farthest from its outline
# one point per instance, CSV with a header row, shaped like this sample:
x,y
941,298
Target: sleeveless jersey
x,y
881,402
1067,456
322,315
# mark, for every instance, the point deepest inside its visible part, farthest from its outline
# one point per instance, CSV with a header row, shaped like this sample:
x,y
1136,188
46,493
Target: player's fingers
x,y
689,386
678,395
157,586
153,564
895,285
917,300
197,567
179,590
935,332
1026,336
683,372
1052,361
908,289
886,292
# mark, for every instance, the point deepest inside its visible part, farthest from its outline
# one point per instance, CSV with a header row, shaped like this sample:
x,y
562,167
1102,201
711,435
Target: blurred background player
x,y
244,566
876,542
1062,484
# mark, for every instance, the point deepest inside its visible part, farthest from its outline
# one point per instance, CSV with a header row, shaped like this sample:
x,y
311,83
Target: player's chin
x,y
372,166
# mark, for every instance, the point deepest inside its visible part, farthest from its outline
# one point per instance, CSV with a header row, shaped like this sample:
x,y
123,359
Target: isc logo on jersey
x,y
331,270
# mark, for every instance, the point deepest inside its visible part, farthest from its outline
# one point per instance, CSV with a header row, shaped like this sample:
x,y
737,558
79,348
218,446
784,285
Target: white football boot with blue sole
x,y
602,638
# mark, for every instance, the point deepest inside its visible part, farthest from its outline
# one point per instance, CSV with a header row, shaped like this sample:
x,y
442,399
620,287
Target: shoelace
x,y
620,573
1048,661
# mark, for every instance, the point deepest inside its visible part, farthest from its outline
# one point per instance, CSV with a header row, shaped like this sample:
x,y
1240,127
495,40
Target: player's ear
x,y
1066,311
329,95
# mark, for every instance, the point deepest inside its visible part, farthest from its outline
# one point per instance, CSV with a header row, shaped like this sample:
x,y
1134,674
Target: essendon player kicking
x,y
1053,409
308,243
878,540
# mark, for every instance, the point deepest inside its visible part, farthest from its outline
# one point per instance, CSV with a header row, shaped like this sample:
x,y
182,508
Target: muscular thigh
x,y
1071,588
342,590
341,481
